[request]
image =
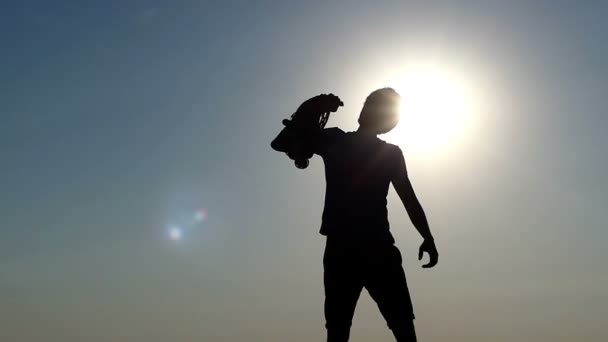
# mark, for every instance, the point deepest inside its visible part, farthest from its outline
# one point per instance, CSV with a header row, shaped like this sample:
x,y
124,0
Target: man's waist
x,y
377,231
356,221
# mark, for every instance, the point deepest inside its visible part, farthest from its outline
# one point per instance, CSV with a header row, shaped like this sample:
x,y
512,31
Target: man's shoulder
x,y
391,148
326,139
393,156
329,135
333,131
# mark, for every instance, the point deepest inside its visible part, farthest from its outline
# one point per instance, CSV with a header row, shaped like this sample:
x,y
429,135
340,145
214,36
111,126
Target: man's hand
x,y
428,246
321,103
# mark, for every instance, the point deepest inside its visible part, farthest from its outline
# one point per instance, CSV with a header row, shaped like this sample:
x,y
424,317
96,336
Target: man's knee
x,y
339,324
338,331
339,317
404,330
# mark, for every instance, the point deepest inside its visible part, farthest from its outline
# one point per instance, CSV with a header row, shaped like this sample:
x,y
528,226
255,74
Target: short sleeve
x,y
326,138
399,168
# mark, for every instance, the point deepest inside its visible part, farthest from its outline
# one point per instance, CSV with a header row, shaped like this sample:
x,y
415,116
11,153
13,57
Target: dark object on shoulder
x,y
298,137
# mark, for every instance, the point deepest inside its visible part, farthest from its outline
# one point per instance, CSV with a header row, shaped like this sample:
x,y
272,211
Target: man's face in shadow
x,y
383,115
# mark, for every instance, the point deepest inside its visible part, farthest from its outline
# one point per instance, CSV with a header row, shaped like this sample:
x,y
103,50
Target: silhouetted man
x,y
360,251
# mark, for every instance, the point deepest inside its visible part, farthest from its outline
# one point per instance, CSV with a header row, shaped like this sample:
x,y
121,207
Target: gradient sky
x,y
120,118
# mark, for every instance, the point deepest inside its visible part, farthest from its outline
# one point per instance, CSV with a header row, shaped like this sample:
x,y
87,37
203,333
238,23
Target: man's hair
x,y
380,112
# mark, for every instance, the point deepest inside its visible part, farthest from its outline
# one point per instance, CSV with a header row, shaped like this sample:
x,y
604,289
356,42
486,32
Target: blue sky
x,y
120,119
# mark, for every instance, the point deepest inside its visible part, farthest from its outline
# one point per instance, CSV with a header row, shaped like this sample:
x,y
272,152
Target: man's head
x,y
380,113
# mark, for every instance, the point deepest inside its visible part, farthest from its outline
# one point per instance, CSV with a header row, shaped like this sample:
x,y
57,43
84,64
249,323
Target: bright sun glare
x,y
437,109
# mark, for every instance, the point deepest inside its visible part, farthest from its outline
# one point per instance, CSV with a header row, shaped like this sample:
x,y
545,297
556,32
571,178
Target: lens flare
x,y
200,215
175,233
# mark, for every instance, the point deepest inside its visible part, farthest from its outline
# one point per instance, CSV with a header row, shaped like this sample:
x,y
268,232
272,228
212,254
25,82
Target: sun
x,y
437,109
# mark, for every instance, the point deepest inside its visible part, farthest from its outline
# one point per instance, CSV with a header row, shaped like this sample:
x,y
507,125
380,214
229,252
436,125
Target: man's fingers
x,y
430,264
434,258
433,255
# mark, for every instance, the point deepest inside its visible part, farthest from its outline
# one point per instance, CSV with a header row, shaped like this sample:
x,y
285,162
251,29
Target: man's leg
x,y
343,286
385,281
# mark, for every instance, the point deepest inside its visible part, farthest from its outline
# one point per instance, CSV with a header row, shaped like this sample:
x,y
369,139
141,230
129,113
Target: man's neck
x,y
366,132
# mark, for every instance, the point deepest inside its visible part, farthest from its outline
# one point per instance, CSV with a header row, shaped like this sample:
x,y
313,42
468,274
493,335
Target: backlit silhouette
x,y
360,251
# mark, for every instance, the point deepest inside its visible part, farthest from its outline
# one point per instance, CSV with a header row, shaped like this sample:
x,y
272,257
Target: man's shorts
x,y
350,267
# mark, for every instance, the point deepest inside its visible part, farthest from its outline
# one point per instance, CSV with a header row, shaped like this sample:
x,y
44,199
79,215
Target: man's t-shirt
x,y
358,172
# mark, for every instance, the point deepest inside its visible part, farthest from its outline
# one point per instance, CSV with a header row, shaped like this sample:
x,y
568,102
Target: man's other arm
x,y
406,193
